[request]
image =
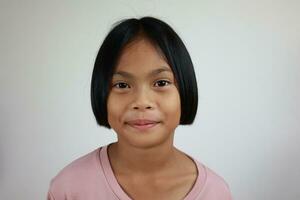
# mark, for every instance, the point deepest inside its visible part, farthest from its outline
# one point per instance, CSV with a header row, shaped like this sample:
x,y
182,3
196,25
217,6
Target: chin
x,y
151,141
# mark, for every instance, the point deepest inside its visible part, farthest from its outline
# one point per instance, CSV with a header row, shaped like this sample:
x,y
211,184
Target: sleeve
x,y
50,196
56,191
229,194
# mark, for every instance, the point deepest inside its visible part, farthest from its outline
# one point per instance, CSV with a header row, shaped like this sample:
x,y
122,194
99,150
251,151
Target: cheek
x,y
171,106
114,109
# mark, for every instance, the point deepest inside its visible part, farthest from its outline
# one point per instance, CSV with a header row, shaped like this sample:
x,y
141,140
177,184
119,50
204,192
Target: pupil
x,y
122,85
161,83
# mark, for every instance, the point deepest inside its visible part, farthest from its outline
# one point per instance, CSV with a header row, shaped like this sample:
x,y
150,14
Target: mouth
x,y
142,125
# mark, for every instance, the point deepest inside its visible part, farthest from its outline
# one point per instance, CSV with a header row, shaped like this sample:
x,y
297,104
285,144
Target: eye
x,y
121,85
162,83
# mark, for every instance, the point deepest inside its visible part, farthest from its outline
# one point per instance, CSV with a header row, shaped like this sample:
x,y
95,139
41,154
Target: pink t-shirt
x,y
91,177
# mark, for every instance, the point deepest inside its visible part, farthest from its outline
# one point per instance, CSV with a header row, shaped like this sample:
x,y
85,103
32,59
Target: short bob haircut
x,y
170,44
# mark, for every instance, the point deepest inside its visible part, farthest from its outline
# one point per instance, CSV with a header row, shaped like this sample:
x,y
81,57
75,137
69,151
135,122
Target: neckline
x,y
121,194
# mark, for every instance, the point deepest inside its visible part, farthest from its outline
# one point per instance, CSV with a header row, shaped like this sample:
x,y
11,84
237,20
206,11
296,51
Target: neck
x,y
126,158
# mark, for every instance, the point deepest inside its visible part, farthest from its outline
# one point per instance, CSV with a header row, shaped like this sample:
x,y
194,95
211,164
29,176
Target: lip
x,y
142,124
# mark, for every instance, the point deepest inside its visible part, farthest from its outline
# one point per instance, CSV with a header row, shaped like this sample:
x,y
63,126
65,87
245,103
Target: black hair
x,y
173,49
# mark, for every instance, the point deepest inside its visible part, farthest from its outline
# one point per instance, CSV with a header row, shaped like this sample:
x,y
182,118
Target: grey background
x,y
246,56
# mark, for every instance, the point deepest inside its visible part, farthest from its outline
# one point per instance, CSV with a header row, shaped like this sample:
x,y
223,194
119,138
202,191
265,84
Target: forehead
x,y
141,55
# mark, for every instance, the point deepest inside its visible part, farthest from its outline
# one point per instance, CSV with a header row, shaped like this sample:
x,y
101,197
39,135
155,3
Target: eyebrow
x,y
152,73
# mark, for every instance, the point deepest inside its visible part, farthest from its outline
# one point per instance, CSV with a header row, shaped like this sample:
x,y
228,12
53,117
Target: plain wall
x,y
246,56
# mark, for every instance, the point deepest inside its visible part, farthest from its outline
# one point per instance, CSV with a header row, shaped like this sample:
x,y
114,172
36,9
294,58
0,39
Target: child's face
x,y
143,103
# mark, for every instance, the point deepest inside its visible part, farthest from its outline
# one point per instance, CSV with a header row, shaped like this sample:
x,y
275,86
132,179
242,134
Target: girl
x,y
143,86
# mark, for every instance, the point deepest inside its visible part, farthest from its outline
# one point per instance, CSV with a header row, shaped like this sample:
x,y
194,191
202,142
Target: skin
x,y
147,157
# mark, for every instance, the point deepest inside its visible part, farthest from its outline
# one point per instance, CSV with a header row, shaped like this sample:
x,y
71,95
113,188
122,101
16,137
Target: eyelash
x,y
165,81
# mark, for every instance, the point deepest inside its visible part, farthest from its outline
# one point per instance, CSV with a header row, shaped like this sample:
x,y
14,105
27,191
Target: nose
x,y
142,100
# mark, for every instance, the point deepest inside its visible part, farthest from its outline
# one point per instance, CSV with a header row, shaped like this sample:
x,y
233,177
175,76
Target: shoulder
x,y
216,180
78,167
82,170
215,186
